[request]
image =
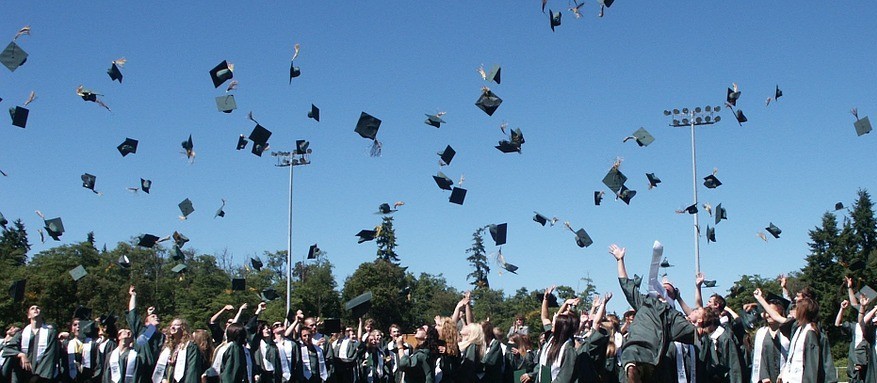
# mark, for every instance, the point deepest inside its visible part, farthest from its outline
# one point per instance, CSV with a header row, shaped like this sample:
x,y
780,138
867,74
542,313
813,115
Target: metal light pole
x,y
297,157
693,118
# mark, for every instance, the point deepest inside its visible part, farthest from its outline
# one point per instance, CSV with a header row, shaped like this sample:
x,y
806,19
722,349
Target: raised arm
x,y
293,327
618,253
468,307
359,329
769,308
215,317
463,302
545,316
838,320
237,317
698,297
601,310
684,306
852,294
132,302
783,280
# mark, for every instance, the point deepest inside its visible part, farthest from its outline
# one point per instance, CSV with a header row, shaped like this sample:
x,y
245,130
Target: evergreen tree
x,y
386,241
14,246
478,259
385,281
865,234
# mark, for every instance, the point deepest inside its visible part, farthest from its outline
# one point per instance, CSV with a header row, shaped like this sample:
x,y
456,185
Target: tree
x,y
386,241
317,293
429,295
386,281
14,246
478,259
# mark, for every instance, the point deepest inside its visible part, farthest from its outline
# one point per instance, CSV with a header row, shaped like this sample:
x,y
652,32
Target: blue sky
x,y
575,93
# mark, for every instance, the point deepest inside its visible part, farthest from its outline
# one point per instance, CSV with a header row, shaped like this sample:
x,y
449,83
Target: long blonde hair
x,y
450,336
476,337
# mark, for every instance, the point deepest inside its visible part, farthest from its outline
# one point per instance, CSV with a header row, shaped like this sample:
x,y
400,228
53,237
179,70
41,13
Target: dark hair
x,y
721,300
487,327
709,318
563,330
235,333
807,311
808,292
431,342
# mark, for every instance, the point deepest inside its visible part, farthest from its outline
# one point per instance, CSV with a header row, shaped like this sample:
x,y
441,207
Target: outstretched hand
x,y
698,279
617,252
844,304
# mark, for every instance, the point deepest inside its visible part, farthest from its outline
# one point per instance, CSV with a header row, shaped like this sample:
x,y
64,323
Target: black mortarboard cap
x,y
128,147
626,194
863,126
732,96
583,239
87,329
773,230
721,213
366,235
691,209
447,155
541,219
147,240
226,103
510,267
707,283
856,265
269,294
16,291
114,73
653,180
458,195
367,126
778,93
666,263
313,251
643,137
301,147
615,180
54,227
186,207
177,253
242,142
82,312
238,284
256,263
78,273
506,146
3,220
179,239
314,113
221,73
838,206
498,233
258,149
108,319
443,181
552,299
260,135
188,145
598,197
488,101
88,181
331,326
778,299
434,120
360,305
384,208
554,19
741,118
294,71
19,116
495,74
145,185
711,182
710,234
124,262
13,56
179,268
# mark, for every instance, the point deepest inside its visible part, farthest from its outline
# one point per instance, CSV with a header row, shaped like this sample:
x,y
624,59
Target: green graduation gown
x,y
419,367
48,366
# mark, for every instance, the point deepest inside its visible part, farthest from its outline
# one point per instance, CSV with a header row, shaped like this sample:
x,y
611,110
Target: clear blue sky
x,y
575,93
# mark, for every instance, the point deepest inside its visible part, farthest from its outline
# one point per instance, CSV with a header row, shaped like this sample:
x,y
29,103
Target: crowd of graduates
x,y
660,339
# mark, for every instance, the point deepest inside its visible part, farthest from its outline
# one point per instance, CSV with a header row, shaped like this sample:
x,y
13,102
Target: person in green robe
x,y
557,357
449,351
266,353
34,352
770,347
521,359
311,365
857,356
472,350
148,339
493,356
236,365
419,367
373,360
122,363
185,364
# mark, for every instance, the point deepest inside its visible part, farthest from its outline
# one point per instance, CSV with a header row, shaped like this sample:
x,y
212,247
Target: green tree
x,y
478,259
429,295
489,303
317,293
13,255
386,281
386,241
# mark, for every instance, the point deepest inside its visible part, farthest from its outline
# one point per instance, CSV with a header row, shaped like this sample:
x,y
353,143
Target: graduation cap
x,y
88,181
711,182
856,265
220,212
598,197
862,126
513,144
552,299
434,120
554,19
127,147
741,118
838,206
82,312
778,93
488,101
384,208
690,209
313,251
778,299
242,142
145,185
147,240
583,239
186,208
294,71
314,113
16,290
3,221
367,127
498,233
458,195
19,116
366,235
331,326
604,4
494,75
510,267
642,137
733,95
124,262
78,273
666,263
54,227
653,180
179,268
177,253
256,263
238,284
226,103
13,56
360,305
447,155
710,234
189,146
443,181
260,135
707,283
269,294
615,180
868,292
735,290
221,73
540,219
626,194
114,72
773,230
721,213
179,239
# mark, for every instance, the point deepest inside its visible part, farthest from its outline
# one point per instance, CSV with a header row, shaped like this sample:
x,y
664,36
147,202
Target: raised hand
x,y
844,304
617,252
698,279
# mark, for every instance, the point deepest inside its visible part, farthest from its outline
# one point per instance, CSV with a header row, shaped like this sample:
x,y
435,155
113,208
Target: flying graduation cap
x,y
554,19
256,263
221,73
711,182
582,237
488,101
54,227
435,119
367,127
145,185
514,143
863,126
314,251
360,305
494,75
189,147
641,136
721,213
186,208
13,56
443,181
773,230
115,72
314,113
733,95
692,209
666,263
295,71
147,240
129,146
260,137
741,118
19,114
90,96
447,155
710,234
220,212
88,181
226,103
366,235
498,233
458,195
242,142
542,219
78,273
653,180
598,197
500,259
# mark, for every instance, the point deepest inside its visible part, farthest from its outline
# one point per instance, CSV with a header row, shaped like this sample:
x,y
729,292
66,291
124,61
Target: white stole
x,y
285,349
129,366
681,376
306,362
86,353
656,288
73,348
181,357
715,335
793,371
216,368
161,365
344,349
263,349
42,341
543,359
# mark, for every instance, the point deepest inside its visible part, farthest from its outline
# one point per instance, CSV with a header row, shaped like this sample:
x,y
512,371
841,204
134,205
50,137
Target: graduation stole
x,y
372,368
263,349
285,350
74,346
249,364
180,370
343,350
681,376
394,353
306,362
146,335
715,335
129,365
793,371
543,359
759,343
160,365
216,366
42,341
86,353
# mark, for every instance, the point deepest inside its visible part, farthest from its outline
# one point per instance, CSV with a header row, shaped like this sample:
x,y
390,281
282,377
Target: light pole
x,y
693,118
297,157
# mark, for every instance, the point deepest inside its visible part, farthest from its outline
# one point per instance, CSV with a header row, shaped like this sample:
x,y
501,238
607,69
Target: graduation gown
x,y
235,366
372,365
519,363
48,364
121,366
147,343
470,365
727,365
315,364
565,364
591,355
773,352
807,359
859,352
394,363
193,364
493,362
419,367
267,358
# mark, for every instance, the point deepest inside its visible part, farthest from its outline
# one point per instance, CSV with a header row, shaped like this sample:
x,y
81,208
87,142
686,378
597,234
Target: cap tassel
x,y
855,112
708,208
375,150
250,117
481,72
575,9
30,98
767,103
233,85
120,62
296,50
42,236
21,32
762,236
